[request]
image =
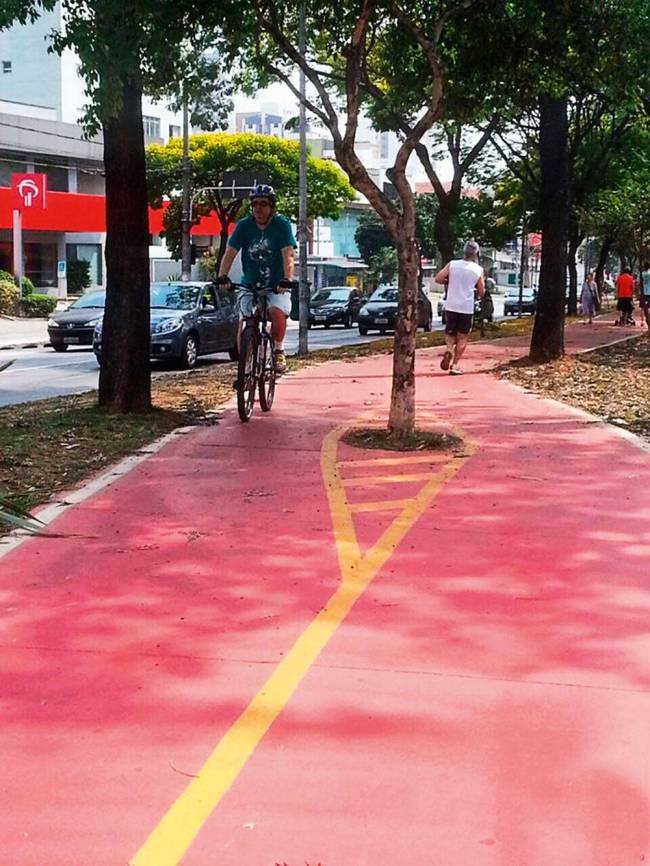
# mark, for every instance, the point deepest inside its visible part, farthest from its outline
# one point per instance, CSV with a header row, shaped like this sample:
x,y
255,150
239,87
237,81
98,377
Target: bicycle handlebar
x,y
256,288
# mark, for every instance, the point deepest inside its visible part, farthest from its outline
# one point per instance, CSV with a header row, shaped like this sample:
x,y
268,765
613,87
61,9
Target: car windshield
x,y
526,293
387,293
332,295
174,296
92,299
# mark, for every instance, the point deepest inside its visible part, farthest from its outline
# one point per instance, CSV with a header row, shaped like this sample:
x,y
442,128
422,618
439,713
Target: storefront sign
x,y
30,191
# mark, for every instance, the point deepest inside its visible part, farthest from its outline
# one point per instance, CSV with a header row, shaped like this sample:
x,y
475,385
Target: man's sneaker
x,y
280,361
455,371
446,361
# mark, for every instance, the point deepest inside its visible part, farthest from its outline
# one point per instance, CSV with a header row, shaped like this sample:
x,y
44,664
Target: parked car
x,y
380,313
335,305
75,325
188,320
528,302
477,309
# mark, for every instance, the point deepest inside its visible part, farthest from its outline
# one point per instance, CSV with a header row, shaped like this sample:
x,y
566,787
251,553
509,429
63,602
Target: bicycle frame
x,y
256,361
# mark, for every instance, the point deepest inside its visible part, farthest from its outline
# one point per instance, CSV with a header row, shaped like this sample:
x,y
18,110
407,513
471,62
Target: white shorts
x,y
281,302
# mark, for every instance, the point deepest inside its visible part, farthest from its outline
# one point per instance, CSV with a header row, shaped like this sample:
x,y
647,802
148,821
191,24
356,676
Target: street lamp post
x,y
303,297
186,217
523,263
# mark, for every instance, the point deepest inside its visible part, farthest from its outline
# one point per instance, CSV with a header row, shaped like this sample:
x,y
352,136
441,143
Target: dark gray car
x,y
75,326
188,320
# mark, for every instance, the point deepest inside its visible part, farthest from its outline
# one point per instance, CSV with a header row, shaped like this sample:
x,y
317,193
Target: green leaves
x,y
12,515
213,154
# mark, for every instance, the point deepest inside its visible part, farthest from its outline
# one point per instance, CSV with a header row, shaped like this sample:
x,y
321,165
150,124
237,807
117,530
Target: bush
x,y
8,296
28,287
78,274
34,306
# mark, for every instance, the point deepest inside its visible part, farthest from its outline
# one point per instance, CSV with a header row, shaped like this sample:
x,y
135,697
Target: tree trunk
x,y
575,239
401,420
602,261
125,379
442,232
547,343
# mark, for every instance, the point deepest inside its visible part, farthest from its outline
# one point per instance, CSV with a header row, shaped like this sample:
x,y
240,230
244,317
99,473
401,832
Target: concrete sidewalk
x,y
18,333
261,646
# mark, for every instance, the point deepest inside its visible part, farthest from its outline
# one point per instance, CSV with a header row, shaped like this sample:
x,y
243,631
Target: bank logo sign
x,y
30,191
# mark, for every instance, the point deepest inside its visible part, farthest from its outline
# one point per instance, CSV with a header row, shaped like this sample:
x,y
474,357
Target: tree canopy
x,y
212,154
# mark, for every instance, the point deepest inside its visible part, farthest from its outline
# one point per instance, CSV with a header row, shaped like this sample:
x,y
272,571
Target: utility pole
x,y
186,219
523,263
303,321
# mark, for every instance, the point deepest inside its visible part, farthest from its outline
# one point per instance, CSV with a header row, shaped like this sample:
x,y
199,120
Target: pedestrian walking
x,y
644,293
463,277
589,297
624,296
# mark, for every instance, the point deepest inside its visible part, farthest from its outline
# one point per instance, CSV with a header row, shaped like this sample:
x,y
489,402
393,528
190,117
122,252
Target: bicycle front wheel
x,y
246,374
267,374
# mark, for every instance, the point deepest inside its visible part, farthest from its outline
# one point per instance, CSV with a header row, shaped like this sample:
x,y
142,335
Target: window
x,y
151,126
91,253
7,168
174,131
6,66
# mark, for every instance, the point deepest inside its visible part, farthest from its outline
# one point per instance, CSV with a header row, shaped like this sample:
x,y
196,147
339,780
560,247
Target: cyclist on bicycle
x,y
267,247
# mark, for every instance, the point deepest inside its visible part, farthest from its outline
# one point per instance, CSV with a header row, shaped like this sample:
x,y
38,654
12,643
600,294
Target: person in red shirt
x,y
624,295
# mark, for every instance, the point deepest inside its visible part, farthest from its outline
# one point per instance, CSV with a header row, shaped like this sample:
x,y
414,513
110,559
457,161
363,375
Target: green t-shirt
x,y
261,249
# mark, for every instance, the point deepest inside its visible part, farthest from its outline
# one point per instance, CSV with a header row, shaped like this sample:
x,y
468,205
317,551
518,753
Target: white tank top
x,y
463,277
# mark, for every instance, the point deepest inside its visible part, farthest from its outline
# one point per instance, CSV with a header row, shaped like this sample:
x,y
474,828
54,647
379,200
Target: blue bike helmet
x,y
263,190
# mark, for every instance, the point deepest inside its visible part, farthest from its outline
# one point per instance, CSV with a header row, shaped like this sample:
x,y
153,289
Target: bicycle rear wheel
x,y
246,374
267,374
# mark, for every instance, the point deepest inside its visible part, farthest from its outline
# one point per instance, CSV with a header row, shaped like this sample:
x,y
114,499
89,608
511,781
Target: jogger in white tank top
x,y
462,276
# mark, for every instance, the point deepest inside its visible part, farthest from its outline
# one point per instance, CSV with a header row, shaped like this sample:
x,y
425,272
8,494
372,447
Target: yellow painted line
x,y
380,505
174,834
373,480
392,461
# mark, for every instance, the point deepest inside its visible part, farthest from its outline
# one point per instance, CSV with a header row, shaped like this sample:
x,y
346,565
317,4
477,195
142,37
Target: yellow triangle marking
x,y
385,505
171,838
373,480
392,461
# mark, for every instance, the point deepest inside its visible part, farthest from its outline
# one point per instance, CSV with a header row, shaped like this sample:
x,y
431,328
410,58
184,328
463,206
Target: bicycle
x,y
256,369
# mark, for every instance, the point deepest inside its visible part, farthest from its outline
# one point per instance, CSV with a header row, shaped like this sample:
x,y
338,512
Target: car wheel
x,y
233,353
363,331
190,352
60,347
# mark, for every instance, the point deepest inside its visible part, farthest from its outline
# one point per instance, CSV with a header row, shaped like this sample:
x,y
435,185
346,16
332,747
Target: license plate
x,y
381,321
320,318
71,339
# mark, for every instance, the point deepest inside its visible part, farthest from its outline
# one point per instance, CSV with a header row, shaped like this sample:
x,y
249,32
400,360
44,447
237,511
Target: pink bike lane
x,y
476,690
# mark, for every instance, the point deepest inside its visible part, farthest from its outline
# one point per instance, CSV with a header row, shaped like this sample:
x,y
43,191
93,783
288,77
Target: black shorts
x,y
625,305
457,323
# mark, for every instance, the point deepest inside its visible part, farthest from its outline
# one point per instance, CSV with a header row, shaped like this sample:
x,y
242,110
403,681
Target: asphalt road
x,y
40,373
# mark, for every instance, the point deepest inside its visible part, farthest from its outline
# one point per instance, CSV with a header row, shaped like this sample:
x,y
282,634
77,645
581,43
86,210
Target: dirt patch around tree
x,y
612,383
418,440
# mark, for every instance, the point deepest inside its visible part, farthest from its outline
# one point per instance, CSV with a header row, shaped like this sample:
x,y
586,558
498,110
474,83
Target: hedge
x,y
33,306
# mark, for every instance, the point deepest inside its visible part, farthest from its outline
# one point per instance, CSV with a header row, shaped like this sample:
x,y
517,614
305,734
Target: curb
x,y
25,345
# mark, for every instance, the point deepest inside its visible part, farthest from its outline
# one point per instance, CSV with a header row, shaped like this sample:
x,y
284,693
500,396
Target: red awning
x,y
75,212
